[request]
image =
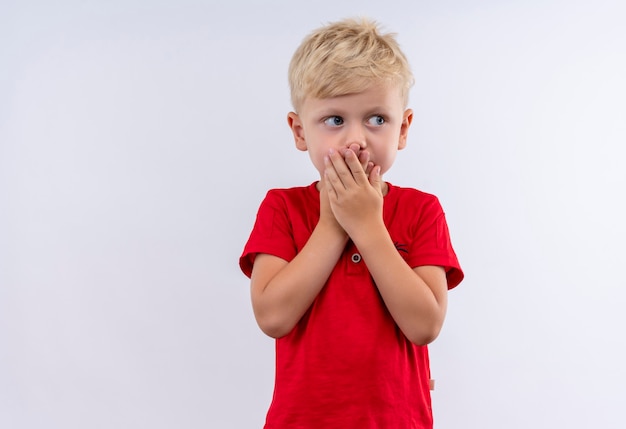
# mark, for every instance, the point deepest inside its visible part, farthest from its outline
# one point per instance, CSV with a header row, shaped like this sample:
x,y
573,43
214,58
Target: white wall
x,y
137,139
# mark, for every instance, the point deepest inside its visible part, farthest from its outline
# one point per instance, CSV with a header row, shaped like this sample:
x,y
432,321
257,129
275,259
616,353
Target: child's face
x,y
374,119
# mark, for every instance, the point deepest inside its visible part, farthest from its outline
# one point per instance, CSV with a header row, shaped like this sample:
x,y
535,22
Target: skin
x,y
352,141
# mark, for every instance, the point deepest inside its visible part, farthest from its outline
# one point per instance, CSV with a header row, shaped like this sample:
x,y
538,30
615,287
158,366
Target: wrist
x,y
329,226
366,234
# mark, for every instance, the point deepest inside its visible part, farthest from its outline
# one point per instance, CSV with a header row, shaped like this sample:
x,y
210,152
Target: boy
x,y
351,273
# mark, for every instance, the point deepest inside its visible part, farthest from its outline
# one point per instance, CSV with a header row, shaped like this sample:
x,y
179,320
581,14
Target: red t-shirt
x,y
346,364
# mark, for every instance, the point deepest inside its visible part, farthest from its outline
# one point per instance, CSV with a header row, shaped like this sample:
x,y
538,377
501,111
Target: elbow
x,y
272,322
423,336
422,340
274,327
424,327
274,332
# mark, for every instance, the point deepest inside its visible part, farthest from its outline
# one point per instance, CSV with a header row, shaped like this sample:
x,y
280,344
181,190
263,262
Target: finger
x,y
364,159
326,192
355,148
356,169
375,179
341,171
332,177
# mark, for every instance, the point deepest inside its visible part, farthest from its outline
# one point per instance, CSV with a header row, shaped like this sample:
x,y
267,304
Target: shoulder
x,y
409,192
297,198
291,193
412,198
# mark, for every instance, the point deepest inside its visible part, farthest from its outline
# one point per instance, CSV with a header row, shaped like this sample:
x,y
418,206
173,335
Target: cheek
x,y
317,158
385,159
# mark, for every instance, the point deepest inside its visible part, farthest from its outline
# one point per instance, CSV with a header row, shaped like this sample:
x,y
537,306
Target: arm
x,y
416,298
282,291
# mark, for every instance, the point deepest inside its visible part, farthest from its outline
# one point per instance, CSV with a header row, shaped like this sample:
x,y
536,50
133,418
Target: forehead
x,y
388,97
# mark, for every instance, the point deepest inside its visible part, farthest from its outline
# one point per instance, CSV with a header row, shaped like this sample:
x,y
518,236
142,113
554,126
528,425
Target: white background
x,y
137,139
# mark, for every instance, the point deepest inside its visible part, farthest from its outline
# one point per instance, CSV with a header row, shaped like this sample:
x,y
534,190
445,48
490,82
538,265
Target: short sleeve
x,y
272,233
431,244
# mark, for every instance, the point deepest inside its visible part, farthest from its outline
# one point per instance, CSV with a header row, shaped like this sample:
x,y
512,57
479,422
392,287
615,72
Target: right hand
x,y
326,214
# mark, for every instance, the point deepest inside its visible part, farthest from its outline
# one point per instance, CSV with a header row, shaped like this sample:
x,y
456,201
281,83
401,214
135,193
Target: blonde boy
x,y
350,274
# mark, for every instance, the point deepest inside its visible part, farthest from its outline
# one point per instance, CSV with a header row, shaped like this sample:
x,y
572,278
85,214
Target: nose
x,y
355,134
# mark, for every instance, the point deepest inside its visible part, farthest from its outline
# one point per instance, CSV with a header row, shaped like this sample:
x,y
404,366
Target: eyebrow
x,y
331,111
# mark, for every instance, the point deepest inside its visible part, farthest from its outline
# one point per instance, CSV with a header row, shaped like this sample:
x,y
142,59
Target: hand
x,y
354,187
327,216
364,158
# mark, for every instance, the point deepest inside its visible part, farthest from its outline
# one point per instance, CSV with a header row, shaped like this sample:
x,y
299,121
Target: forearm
x,y
282,294
416,298
418,308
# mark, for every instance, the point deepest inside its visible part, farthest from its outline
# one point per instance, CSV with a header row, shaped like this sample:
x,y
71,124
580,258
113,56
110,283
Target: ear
x,y
407,118
295,123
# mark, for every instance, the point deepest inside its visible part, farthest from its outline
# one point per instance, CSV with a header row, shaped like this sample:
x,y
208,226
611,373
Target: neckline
x,y
313,189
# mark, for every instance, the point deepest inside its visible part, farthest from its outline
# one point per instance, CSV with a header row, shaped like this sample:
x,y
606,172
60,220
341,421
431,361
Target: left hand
x,y
356,196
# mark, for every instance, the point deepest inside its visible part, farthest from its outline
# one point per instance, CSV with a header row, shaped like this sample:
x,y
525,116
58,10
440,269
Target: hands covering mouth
x,y
362,155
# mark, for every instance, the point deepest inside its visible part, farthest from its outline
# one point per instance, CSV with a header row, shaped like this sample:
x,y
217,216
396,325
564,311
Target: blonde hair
x,y
347,57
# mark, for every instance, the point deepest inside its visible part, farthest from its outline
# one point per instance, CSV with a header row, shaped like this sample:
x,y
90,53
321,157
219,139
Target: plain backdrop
x,y
137,139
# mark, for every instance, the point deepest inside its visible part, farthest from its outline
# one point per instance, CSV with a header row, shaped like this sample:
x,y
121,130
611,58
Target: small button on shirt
x,y
356,258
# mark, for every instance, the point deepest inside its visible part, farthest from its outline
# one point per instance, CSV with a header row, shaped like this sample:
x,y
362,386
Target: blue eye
x,y
376,120
334,121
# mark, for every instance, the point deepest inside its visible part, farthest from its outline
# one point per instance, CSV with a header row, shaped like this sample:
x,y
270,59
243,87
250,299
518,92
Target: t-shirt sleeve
x,y
432,245
271,234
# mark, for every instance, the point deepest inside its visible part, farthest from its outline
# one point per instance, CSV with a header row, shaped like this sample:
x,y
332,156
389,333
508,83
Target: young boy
x,y
351,273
